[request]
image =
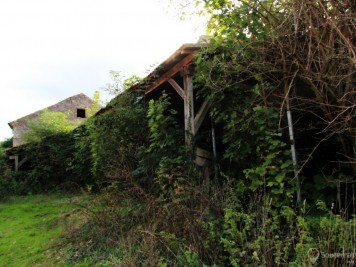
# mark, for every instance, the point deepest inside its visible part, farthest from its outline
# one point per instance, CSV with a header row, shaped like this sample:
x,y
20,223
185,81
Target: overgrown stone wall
x,y
71,105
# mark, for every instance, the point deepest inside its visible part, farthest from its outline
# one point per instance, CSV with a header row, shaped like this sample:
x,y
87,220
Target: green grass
x,y
30,230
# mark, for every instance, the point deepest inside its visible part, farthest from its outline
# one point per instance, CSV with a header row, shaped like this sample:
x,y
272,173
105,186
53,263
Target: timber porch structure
x,y
174,77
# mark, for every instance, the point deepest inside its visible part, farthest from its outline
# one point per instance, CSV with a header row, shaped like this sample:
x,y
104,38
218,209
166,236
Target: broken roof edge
x,y
179,55
182,52
38,111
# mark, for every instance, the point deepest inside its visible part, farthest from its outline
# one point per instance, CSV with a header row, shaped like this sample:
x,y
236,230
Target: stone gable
x,y
75,105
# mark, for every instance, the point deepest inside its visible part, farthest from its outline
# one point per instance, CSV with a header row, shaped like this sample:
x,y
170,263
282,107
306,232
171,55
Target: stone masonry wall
x,y
70,105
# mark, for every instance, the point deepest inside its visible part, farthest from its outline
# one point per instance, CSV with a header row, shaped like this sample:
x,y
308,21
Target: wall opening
x,y
81,113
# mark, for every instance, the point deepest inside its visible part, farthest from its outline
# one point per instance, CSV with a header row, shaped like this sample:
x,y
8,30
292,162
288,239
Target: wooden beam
x,y
188,106
169,74
22,162
199,118
176,87
16,158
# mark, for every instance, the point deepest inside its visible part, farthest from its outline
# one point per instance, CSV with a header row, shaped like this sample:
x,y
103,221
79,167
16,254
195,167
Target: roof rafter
x,y
169,74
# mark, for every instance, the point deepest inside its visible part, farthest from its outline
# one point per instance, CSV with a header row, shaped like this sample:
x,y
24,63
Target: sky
x,y
53,49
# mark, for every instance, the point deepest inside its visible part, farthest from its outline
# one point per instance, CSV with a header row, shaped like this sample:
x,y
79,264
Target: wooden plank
x,y
188,106
169,74
176,87
16,157
199,118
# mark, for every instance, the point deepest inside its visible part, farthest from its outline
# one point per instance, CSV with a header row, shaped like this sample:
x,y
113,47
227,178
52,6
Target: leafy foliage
x,y
260,54
166,156
95,106
116,136
284,44
47,164
119,84
6,144
48,123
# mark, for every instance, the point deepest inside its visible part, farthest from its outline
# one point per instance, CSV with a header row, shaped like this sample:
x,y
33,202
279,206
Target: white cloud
x,y
52,49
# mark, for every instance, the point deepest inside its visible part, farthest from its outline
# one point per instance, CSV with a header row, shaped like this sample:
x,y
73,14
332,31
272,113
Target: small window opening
x,y
80,113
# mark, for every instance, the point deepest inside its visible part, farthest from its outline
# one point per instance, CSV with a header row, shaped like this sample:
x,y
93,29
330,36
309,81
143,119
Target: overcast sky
x,y
53,49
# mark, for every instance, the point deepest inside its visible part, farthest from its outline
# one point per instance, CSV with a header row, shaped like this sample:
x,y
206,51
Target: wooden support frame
x,y
22,162
188,105
169,74
18,163
191,123
16,158
199,118
181,62
176,87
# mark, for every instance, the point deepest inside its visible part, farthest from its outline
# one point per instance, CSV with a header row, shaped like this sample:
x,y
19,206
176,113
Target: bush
x,y
115,138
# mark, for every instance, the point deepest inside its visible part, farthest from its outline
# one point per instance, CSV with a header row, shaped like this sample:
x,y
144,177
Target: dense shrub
x,y
116,136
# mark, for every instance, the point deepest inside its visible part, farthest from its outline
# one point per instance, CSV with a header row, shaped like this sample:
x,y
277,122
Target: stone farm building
x,y
76,106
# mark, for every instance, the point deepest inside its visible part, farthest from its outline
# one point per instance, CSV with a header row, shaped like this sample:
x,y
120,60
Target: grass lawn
x,y
30,230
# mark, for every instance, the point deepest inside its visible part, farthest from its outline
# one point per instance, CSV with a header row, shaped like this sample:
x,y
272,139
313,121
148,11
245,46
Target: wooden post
x,y
16,163
16,158
188,105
